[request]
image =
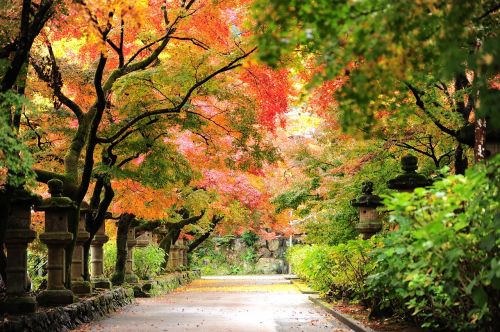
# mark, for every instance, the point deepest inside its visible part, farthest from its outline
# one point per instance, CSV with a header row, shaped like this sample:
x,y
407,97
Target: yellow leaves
x,y
207,285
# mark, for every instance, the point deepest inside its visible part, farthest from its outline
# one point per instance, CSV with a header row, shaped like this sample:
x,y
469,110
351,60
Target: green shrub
x,y
148,261
109,259
339,271
37,263
442,264
249,237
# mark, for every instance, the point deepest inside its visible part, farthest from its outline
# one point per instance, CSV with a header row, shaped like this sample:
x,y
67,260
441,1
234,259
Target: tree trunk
x,y
460,160
215,220
479,139
4,213
121,248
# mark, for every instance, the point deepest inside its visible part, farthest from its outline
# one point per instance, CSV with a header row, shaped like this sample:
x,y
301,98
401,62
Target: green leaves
x,y
442,264
14,155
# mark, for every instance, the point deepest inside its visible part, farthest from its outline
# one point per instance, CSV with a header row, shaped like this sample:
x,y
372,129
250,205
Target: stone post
x,y
180,257
183,256
173,260
369,219
96,259
56,237
17,237
130,276
78,285
410,179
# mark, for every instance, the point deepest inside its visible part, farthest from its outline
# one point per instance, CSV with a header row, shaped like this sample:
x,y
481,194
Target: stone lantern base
x,y
131,278
81,287
55,297
101,283
18,305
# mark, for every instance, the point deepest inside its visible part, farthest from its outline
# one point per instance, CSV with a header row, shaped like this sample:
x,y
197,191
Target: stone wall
x,y
69,316
270,254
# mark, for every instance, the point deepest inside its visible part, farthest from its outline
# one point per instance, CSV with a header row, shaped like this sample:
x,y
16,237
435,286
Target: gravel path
x,y
219,304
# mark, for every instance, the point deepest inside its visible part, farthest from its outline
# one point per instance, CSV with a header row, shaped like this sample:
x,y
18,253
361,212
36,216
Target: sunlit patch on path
x,y
252,303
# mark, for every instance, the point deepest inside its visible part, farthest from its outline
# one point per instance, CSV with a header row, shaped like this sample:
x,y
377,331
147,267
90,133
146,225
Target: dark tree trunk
x,y
4,212
193,245
460,160
121,248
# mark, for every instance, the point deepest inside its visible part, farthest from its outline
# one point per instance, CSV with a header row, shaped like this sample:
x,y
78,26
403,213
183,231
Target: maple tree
x,y
160,71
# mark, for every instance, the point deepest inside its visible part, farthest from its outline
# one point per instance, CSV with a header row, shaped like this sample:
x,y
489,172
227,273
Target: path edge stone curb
x,y
344,318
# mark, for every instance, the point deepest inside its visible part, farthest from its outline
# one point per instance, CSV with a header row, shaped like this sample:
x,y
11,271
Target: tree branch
x,y
419,102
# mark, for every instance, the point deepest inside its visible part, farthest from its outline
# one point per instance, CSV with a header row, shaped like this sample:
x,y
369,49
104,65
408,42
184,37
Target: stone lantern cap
x,y
56,201
367,199
410,179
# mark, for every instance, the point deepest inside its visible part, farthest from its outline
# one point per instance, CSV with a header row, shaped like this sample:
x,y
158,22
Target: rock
x,y
261,243
274,244
238,245
270,265
264,253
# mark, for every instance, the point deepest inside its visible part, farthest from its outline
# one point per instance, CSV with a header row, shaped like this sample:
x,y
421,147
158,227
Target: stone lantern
x,y
367,203
144,239
410,179
173,257
96,258
17,237
78,285
56,237
130,276
183,254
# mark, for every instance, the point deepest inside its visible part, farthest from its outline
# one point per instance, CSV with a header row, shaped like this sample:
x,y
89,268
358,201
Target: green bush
x,y
339,271
249,237
37,263
442,264
148,261
109,260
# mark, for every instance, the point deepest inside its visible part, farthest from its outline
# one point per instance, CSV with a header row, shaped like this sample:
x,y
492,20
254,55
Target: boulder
x,y
274,244
239,245
270,265
264,253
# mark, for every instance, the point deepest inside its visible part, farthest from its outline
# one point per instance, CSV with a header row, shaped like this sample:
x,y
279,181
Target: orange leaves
x,y
271,88
144,202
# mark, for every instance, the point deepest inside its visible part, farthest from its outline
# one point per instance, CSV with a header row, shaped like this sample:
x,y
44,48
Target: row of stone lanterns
x,y
56,236
367,204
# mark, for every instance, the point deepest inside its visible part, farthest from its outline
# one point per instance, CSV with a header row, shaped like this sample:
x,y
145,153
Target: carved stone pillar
x,y
17,237
130,276
56,237
78,285
96,259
